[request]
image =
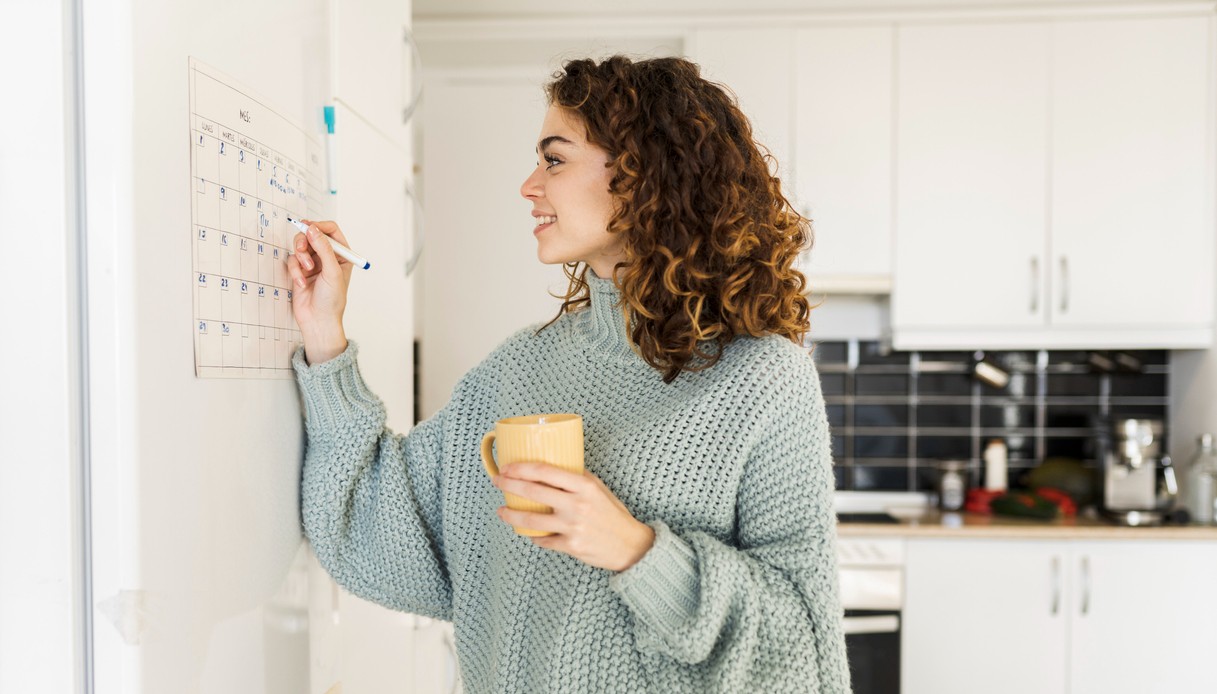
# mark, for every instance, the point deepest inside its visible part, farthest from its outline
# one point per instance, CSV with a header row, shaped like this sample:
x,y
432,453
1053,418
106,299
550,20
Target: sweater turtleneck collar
x,y
604,322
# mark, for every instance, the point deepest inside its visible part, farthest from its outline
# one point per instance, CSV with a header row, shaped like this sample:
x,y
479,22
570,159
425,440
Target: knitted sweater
x,y
730,466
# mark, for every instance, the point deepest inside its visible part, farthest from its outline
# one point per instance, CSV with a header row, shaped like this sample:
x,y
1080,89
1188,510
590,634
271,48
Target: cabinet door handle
x,y
1035,283
414,74
1064,284
416,208
1056,585
1085,586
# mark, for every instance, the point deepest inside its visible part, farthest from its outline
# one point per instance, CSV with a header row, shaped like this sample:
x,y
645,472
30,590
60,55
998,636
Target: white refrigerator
x,y
198,577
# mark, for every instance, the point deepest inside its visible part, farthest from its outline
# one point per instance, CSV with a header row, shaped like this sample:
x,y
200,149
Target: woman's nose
x,y
532,185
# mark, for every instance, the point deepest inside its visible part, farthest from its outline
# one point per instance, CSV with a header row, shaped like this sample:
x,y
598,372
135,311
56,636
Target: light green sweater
x,y
730,466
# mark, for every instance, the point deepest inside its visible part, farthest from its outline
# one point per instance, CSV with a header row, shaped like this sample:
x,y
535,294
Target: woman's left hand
x,y
589,522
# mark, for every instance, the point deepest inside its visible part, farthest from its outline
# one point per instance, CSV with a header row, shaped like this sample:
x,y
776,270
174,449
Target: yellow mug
x,y
555,439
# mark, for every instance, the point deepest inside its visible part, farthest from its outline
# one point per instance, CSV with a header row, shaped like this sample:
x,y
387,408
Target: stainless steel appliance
x,y
1139,485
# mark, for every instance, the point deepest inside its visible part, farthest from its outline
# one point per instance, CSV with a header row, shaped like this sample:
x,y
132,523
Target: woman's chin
x,y
551,258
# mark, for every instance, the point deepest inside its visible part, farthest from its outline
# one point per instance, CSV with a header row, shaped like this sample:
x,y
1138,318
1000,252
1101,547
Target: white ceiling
x,y
469,9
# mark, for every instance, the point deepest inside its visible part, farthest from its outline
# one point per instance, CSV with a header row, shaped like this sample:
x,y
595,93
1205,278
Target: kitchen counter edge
x,y
972,525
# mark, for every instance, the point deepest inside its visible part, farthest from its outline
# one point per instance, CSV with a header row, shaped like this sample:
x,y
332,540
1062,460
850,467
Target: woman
x,y
697,553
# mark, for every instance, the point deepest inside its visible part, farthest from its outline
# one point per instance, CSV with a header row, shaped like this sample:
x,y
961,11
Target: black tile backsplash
x,y
1007,416
944,384
880,384
895,415
880,446
881,478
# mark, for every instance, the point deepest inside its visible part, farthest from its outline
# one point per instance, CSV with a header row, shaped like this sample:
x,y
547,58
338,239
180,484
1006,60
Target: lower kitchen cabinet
x,y
1074,617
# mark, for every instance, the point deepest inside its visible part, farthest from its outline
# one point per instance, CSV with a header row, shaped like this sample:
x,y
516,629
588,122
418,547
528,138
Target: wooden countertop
x,y
972,525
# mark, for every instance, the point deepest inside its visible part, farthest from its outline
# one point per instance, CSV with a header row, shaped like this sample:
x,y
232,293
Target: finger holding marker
x,y
333,234
320,280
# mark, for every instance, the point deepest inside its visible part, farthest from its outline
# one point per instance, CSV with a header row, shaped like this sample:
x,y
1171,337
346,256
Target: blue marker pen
x,y
329,148
340,249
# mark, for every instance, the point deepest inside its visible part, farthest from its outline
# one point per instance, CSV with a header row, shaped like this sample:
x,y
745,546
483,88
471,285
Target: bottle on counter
x,y
995,465
1202,482
952,484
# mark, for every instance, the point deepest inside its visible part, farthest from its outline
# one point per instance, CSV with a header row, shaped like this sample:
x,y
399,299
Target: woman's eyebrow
x,y
545,143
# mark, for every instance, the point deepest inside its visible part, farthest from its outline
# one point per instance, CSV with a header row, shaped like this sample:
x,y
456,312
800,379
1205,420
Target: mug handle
x,y
488,455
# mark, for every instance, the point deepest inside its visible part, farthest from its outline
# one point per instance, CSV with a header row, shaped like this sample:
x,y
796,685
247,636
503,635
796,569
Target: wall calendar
x,y
251,168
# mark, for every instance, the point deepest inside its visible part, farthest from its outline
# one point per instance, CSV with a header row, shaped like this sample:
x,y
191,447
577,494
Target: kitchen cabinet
x,y
1132,173
755,64
1054,184
972,133
974,608
820,99
374,36
376,211
360,646
843,154
1073,617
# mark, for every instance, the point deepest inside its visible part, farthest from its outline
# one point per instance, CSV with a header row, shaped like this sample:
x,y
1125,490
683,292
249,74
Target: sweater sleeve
x,y
763,614
371,499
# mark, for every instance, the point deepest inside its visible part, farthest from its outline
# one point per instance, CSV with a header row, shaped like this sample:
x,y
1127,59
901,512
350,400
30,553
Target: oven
x,y
872,593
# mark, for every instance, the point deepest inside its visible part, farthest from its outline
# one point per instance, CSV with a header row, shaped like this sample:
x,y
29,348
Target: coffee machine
x,y
1139,486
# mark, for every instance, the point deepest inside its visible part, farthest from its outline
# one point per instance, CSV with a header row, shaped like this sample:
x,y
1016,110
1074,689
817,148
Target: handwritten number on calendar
x,y
203,279
223,283
223,239
202,234
244,245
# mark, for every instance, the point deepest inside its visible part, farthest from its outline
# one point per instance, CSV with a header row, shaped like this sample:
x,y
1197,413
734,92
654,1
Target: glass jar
x,y
952,484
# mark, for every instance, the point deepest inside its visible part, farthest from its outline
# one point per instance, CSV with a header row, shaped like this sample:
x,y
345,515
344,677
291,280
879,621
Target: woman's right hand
x,y
319,283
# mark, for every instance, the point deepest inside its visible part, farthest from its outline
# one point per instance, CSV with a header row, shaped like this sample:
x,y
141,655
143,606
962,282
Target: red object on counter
x,y
978,500
1063,501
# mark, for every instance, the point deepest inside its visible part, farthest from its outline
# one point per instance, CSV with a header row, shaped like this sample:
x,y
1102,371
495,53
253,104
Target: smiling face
x,y
569,192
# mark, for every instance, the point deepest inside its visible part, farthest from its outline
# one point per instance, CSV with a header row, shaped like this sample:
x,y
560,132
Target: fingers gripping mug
x,y
555,439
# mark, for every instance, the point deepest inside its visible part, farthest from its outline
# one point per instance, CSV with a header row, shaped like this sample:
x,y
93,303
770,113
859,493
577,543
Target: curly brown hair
x,y
708,238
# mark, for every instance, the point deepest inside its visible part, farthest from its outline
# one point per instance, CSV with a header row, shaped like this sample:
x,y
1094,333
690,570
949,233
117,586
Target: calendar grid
x,y
248,175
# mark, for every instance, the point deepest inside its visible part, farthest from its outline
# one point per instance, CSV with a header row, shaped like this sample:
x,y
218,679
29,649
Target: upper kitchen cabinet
x,y
756,65
372,47
1055,184
972,143
1132,174
820,99
843,154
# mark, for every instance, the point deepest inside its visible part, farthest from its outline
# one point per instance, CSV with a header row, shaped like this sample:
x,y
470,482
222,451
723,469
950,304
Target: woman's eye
x,y
551,161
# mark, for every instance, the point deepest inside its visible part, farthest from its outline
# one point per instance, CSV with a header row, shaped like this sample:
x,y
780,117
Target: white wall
x,y
480,280
1193,406
37,404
